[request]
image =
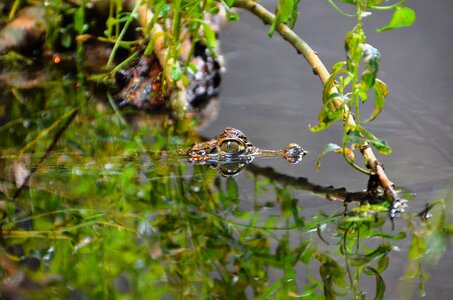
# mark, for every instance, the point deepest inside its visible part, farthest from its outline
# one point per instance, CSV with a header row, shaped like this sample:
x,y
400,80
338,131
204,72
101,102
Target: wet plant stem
x,y
321,71
121,35
178,94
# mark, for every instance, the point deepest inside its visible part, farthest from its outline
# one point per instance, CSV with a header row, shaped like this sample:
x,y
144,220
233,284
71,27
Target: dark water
x,y
270,93
113,213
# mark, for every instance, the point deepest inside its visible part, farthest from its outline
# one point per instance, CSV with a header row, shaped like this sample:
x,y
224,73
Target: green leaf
x,y
232,17
79,20
327,148
380,284
371,60
402,17
66,38
327,116
359,135
270,290
150,47
229,3
283,14
209,34
294,14
338,66
192,68
175,72
353,2
380,92
353,41
329,113
284,9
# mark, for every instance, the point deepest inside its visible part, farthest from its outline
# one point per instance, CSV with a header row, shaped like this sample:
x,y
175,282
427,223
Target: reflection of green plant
x,y
108,214
113,204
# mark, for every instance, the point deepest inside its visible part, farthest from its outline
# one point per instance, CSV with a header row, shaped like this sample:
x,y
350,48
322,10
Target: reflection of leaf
x,y
308,253
380,284
331,273
270,290
417,248
399,236
383,263
402,17
363,260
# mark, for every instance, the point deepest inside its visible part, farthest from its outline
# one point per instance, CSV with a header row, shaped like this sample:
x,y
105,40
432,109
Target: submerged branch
x,y
321,71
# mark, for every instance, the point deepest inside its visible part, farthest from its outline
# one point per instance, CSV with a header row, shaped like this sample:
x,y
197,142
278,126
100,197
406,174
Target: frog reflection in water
x,y
231,152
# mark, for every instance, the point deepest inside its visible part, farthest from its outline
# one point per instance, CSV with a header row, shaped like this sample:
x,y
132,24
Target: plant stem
x,y
178,95
319,69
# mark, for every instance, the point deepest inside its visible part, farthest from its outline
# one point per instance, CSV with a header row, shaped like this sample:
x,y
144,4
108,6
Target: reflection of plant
x,y
151,227
107,214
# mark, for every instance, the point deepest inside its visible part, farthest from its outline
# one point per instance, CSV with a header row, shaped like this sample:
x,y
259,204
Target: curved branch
x,y
321,71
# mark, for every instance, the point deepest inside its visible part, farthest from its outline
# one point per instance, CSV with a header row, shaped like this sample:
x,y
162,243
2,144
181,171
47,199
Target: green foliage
x,y
107,201
286,13
119,203
351,81
402,17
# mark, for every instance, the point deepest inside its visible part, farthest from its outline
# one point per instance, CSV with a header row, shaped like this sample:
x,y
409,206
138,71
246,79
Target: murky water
x,y
109,201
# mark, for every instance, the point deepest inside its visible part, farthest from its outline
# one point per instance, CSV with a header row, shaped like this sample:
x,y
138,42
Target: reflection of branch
x,y
47,153
319,69
328,192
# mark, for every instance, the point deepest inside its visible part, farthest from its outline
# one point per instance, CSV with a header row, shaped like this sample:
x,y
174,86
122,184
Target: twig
x,y
178,94
319,69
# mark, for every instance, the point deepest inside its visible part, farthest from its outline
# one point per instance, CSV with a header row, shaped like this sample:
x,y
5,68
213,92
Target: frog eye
x,y
232,146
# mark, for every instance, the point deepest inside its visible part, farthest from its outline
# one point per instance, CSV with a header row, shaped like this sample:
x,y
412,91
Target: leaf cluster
x,y
352,81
